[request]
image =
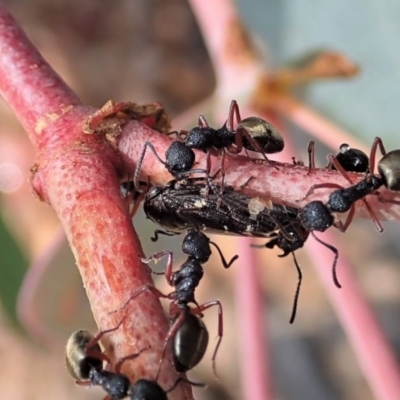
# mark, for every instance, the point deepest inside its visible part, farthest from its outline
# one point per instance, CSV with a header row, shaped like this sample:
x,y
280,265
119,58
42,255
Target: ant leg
x,y
313,188
180,135
140,162
118,365
171,332
181,379
297,293
343,226
97,338
336,253
311,156
202,122
244,185
223,158
371,212
375,144
158,232
233,112
139,292
168,267
134,197
240,132
224,263
382,199
204,307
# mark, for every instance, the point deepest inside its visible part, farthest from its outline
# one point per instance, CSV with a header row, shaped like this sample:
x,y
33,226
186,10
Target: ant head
x,y
291,240
352,160
265,134
197,244
78,362
145,389
389,169
190,342
316,216
179,158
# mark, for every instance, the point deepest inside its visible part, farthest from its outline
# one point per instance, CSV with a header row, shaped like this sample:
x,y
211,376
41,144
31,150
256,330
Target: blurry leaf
x,y
13,265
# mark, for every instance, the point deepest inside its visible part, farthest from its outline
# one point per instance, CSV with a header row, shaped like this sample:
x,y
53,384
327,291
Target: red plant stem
x,y
288,184
77,175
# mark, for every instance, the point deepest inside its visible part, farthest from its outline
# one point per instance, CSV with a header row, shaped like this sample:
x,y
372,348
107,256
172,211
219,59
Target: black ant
x,y
84,360
251,133
181,204
349,158
319,216
188,331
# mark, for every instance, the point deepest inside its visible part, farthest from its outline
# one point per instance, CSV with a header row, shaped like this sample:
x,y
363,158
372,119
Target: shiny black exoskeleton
x,y
181,204
189,334
84,361
318,216
351,159
252,133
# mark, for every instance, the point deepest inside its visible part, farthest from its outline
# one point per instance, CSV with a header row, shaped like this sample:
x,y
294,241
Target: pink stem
x,y
366,336
374,353
251,327
307,119
77,174
215,30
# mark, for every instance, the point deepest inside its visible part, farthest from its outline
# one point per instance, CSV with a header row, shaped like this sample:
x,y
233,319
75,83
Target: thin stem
x,y
251,327
365,334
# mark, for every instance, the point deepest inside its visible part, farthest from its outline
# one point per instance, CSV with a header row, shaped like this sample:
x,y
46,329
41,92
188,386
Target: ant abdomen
x,y
266,135
77,361
190,343
389,169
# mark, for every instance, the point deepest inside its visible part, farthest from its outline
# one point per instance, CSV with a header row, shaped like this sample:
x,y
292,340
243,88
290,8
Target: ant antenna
x,y
336,253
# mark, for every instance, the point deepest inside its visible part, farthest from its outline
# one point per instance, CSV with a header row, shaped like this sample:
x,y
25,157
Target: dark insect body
x,y
348,158
187,331
251,133
319,216
84,360
351,159
182,204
